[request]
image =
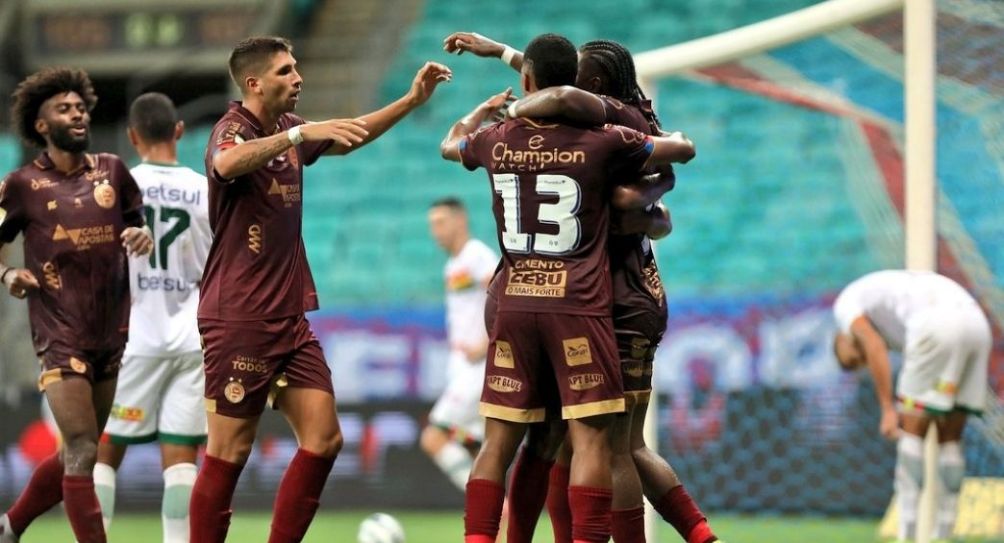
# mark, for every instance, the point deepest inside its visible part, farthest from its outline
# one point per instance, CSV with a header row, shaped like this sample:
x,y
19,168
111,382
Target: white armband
x,y
294,135
507,55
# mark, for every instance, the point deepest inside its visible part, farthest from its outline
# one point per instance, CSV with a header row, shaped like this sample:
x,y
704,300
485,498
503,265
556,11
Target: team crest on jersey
x,y
585,381
577,351
104,194
77,365
234,391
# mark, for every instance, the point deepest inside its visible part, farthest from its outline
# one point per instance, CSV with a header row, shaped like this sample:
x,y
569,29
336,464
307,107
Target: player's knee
x,y
328,445
80,454
951,467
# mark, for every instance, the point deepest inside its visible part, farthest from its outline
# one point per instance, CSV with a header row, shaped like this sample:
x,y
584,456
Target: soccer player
x,y
77,212
945,340
553,328
161,382
607,69
257,285
454,423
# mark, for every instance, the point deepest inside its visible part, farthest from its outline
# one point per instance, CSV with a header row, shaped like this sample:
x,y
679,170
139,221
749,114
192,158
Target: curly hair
x,y
616,63
31,93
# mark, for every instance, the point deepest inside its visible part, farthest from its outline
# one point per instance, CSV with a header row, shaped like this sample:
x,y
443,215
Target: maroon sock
x,y
83,509
679,509
590,513
482,510
298,497
44,491
527,494
628,525
557,504
209,508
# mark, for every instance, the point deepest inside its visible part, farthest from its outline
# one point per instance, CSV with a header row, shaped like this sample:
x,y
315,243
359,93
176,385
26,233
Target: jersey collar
x,y
44,162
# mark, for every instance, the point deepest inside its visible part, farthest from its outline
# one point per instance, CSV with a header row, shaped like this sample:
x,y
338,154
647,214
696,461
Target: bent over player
x,y
945,340
552,341
257,285
161,382
77,211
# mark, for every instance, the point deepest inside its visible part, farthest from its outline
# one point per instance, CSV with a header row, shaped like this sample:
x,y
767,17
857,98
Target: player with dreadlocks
x,y
606,68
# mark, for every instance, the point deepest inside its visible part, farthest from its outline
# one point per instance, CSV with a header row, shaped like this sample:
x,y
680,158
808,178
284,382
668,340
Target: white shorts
x,y
457,409
945,361
159,399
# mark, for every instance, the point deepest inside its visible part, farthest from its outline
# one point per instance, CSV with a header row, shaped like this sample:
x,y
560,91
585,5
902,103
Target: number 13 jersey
x,y
551,188
165,284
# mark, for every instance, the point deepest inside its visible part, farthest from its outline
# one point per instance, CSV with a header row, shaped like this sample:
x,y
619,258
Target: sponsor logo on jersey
x,y
104,194
533,159
126,413
535,142
173,195
503,354
249,364
254,238
230,133
946,387
166,284
585,381
78,365
577,351
501,383
234,391
653,283
289,193
84,238
51,275
533,277
41,183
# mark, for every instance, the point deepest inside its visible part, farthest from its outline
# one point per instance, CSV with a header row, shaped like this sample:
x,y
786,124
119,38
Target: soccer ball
x,y
380,528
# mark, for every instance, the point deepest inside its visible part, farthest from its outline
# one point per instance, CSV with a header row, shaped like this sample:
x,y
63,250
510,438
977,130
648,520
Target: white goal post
x,y
919,39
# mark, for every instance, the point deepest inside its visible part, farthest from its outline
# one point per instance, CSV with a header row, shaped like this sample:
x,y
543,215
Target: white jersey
x,y
891,298
165,284
467,275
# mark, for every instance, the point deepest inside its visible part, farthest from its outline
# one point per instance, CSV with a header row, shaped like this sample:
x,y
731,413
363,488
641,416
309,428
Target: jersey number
x,y
167,214
561,213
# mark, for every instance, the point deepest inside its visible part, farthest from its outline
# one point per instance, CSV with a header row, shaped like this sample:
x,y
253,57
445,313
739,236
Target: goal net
x,y
797,190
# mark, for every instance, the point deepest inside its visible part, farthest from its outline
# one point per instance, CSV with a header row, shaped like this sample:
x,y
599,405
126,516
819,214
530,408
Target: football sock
x,y
909,479
527,494
178,482
43,492
209,509
557,504
83,509
590,514
482,510
628,525
951,472
299,496
104,486
678,509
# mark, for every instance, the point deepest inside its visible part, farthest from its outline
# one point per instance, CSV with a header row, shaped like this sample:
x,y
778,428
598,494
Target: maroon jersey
x,y
634,273
71,224
551,199
257,266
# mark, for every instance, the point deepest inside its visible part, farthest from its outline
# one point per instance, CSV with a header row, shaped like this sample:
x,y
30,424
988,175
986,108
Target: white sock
x,y
951,472
455,462
104,487
178,482
909,481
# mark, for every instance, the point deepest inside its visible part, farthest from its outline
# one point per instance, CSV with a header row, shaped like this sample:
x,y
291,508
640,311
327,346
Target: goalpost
x,y
696,59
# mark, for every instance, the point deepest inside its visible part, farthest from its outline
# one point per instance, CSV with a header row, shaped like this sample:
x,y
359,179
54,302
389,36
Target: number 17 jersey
x,y
165,284
551,188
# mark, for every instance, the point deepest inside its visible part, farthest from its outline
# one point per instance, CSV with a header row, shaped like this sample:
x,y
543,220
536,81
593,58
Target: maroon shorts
x,y
638,331
537,361
61,361
248,363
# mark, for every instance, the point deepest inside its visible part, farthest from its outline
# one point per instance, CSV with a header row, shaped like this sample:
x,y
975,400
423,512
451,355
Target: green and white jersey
x,y
165,284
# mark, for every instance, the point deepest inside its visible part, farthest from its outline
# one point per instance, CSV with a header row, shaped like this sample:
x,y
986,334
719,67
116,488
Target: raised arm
x,y
675,147
645,191
378,122
877,358
479,45
566,101
490,108
654,222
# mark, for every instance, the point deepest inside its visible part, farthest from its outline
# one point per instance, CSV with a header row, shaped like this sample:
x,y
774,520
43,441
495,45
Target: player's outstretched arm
x,y
479,45
17,281
645,191
489,109
378,122
675,147
250,155
877,358
565,101
654,222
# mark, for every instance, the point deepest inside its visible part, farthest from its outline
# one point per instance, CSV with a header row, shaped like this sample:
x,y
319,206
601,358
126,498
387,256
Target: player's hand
x,y
347,132
426,80
889,426
458,42
19,281
497,104
137,241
